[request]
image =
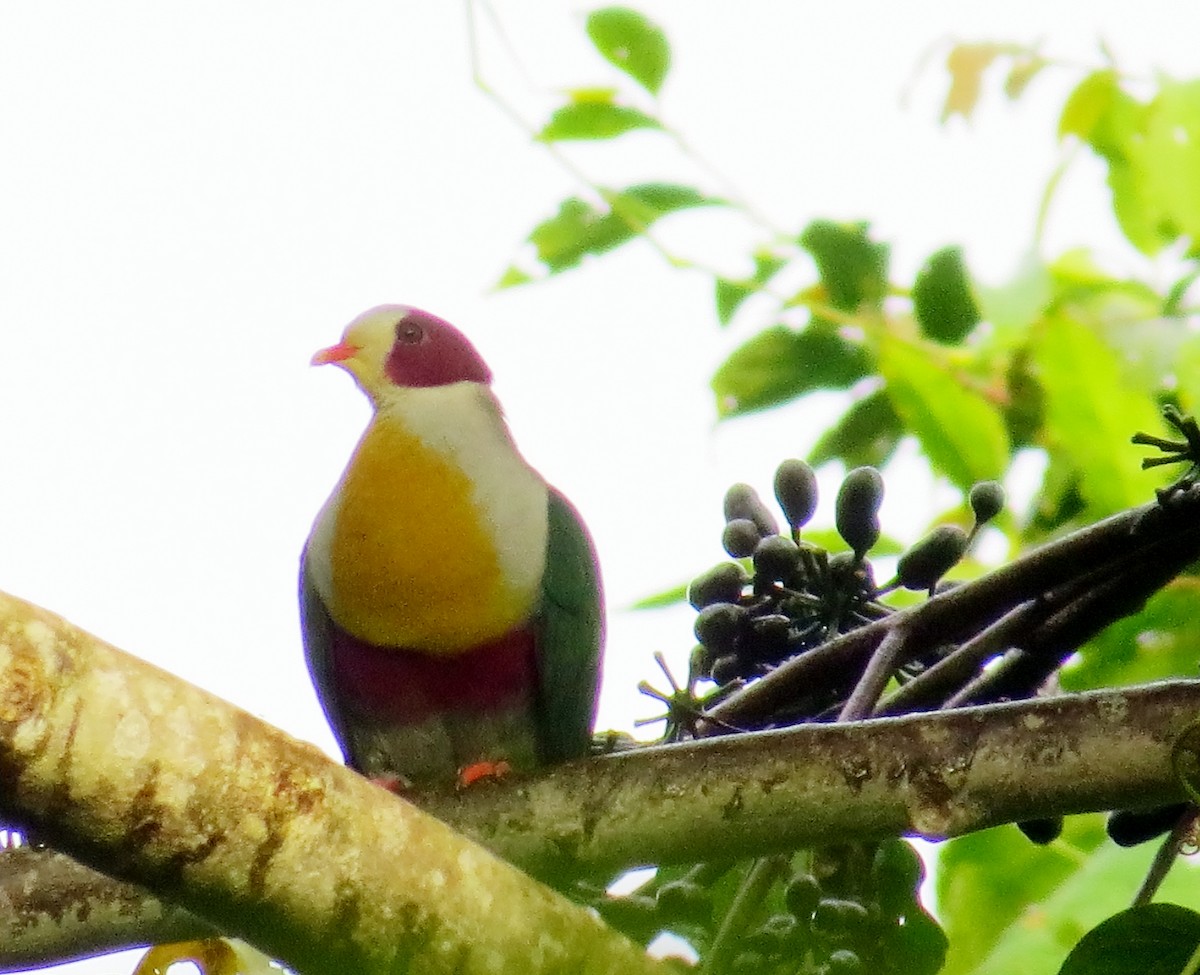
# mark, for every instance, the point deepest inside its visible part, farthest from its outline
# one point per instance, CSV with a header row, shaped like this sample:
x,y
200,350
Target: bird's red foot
x,y
468,775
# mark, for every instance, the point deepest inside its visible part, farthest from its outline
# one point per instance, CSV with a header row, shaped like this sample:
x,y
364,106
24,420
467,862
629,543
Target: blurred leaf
x,y
730,293
1187,374
961,433
1161,641
632,43
1153,154
729,297
831,541
511,277
865,435
667,597
966,64
942,300
1153,939
579,229
853,268
1173,303
1091,413
1126,314
1023,71
1089,104
1051,924
780,363
649,201
766,263
989,883
1025,410
1168,160
594,120
1021,300
1058,501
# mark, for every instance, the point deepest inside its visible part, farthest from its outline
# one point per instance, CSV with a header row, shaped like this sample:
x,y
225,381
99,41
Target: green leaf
x,y
1167,160
961,433
1153,939
1049,926
667,597
1023,71
780,364
1088,105
1090,414
633,43
580,229
1021,300
1153,154
990,882
511,277
577,229
731,293
729,297
1173,303
646,202
853,268
594,120
942,300
865,435
831,541
1026,408
1187,375
1161,641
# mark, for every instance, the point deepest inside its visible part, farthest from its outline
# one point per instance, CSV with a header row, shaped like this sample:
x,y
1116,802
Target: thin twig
x,y
1164,859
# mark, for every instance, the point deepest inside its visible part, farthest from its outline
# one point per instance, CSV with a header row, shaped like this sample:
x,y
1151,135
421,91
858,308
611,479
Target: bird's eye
x,y
410,333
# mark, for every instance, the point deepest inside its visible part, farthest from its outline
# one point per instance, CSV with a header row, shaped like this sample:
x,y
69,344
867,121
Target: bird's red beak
x,y
335,353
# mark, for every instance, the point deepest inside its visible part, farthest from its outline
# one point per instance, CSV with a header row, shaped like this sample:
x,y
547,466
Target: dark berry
x,y
684,900
801,895
719,627
742,501
1129,827
1042,831
727,668
986,500
916,947
775,935
857,511
740,538
836,917
932,557
721,584
767,640
796,492
897,871
843,962
775,559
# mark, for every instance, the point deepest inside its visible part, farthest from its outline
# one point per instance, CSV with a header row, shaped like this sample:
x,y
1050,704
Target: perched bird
x,y
450,599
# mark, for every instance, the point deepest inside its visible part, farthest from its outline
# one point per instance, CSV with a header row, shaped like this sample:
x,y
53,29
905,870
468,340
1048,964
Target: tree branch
x,y
156,782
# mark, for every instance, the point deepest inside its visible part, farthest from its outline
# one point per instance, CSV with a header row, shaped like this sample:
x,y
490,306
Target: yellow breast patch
x,y
412,561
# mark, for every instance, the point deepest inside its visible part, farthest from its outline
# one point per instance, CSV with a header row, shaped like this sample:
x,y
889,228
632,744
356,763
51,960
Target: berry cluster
x,y
788,595
836,911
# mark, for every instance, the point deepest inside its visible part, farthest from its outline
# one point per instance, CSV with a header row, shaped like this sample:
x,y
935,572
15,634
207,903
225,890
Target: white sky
x,y
193,198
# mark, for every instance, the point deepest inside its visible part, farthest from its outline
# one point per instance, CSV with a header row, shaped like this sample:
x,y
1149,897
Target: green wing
x,y
570,636
318,631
